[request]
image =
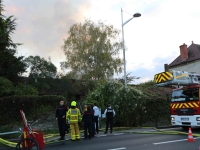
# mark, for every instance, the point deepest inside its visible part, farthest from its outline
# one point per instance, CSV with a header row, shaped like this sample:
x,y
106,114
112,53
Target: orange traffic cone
x,y
190,137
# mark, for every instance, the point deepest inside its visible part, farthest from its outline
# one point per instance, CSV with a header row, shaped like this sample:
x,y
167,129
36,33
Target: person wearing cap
x,y
61,117
73,117
109,113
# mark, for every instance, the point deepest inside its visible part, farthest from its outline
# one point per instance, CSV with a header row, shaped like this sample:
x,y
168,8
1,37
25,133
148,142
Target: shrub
x,y
6,87
134,106
33,106
21,89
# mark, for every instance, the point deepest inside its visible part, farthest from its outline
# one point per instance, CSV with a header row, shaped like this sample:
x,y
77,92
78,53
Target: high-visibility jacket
x,y
73,115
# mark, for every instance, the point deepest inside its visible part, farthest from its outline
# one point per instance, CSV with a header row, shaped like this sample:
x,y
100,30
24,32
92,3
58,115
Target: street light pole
x,y
123,23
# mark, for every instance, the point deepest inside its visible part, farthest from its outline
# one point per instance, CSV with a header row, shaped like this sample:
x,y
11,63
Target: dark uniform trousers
x,y
62,126
109,121
88,129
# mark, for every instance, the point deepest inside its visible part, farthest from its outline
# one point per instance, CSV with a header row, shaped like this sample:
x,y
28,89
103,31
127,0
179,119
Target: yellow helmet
x,y
73,103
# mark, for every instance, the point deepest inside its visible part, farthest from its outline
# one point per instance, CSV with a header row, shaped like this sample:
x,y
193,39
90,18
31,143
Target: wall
x,y
189,67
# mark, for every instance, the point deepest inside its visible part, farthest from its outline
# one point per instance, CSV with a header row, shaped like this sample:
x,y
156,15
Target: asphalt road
x,y
130,141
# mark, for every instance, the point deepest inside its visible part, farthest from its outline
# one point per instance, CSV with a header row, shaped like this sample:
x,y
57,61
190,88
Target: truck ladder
x,y
174,77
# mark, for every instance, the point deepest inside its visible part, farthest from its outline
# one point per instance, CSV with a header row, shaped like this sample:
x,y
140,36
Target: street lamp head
x,y
137,15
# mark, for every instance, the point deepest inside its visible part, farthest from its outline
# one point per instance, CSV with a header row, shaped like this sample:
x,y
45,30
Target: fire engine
x,y
185,97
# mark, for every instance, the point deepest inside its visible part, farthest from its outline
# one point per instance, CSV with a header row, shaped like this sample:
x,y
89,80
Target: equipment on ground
x,y
185,97
30,139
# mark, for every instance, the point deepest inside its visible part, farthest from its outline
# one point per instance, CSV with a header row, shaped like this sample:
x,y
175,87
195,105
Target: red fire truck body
x,y
185,99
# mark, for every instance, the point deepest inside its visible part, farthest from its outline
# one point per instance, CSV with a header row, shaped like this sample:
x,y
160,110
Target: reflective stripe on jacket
x,y
73,115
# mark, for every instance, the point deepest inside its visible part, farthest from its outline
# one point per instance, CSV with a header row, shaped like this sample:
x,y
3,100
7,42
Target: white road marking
x,y
159,129
118,133
101,135
173,141
149,131
118,148
170,128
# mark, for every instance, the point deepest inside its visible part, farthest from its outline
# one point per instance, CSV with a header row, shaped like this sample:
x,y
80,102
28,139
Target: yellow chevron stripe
x,y
170,74
157,80
195,104
162,78
173,105
186,105
180,106
190,104
177,105
166,76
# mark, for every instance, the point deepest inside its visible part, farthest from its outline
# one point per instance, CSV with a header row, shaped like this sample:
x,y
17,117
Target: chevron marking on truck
x,y
162,77
185,105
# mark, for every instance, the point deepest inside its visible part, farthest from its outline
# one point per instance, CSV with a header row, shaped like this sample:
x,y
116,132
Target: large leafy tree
x,y
41,68
92,51
10,65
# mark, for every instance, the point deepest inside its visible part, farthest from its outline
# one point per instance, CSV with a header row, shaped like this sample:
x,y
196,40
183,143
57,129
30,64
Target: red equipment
x,y
30,139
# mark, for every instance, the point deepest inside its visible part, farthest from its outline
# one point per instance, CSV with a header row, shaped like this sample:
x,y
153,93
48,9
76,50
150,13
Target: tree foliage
x,y
92,50
134,105
126,101
129,78
10,65
7,89
21,90
41,68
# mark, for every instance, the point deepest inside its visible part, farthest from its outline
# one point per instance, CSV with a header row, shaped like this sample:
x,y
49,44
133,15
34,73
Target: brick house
x,y
188,60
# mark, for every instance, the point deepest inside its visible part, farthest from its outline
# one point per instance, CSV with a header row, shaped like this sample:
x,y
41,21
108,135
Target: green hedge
x,y
33,107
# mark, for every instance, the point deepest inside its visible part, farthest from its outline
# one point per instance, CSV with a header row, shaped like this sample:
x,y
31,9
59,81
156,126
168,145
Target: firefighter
x,y
109,113
74,116
61,117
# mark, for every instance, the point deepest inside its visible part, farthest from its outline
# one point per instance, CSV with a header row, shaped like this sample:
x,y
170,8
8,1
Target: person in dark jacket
x,y
109,113
61,118
88,119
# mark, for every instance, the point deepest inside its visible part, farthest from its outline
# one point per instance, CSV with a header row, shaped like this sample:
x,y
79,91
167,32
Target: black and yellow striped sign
x,y
185,105
163,77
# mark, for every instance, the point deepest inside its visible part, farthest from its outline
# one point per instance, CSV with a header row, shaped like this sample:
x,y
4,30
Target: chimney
x,y
183,52
166,67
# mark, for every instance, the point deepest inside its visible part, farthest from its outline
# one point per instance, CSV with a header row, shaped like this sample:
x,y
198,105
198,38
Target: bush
x,y
33,107
6,87
125,101
21,89
134,106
